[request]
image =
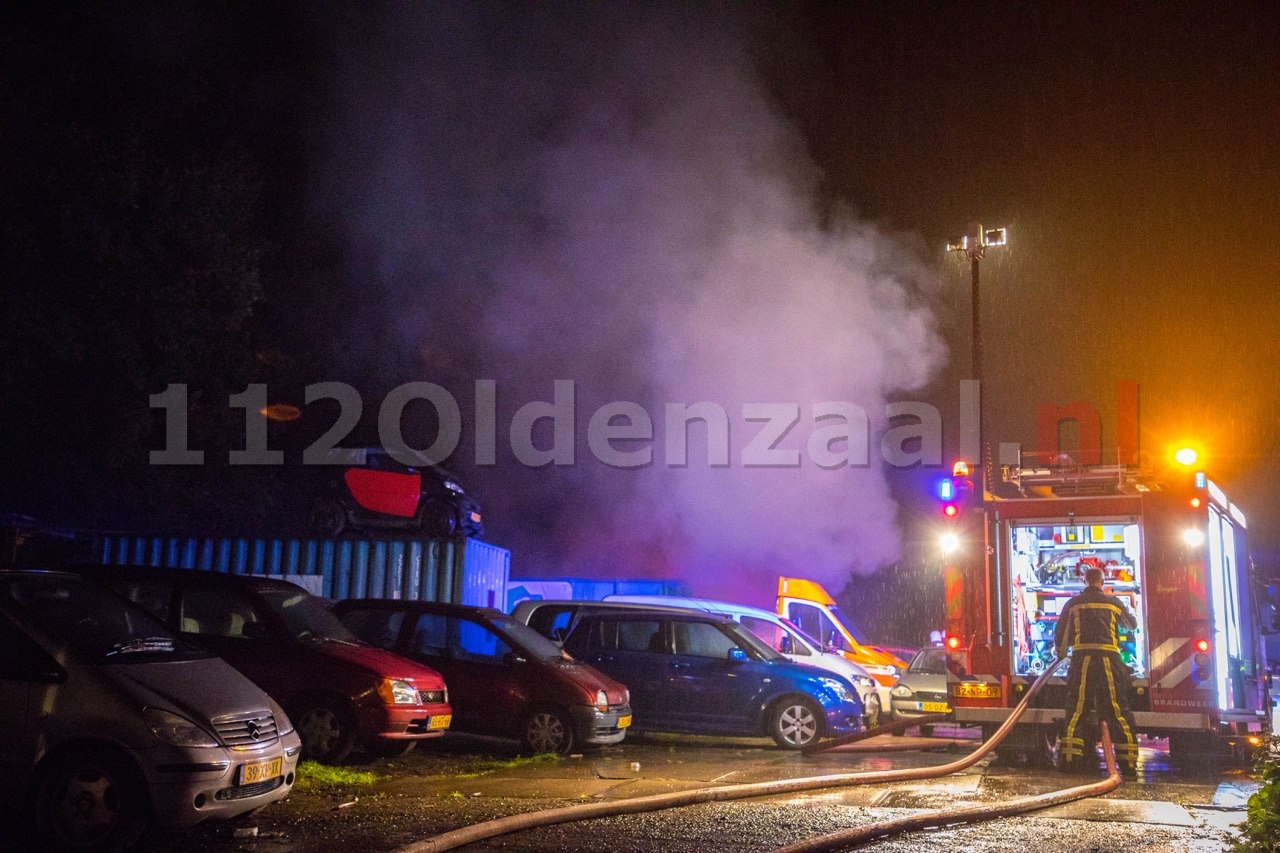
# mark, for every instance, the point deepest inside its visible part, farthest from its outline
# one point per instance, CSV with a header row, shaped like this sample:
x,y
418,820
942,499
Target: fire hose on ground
x,y
586,811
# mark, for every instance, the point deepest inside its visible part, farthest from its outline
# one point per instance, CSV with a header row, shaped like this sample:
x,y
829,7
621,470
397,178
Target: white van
x,y
784,636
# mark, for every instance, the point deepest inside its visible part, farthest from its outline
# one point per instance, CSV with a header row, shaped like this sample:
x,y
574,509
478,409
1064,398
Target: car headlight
x,y
864,682
839,688
901,691
175,729
602,701
396,692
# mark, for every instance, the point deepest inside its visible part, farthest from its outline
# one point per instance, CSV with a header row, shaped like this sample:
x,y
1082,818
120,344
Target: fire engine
x,y
1172,547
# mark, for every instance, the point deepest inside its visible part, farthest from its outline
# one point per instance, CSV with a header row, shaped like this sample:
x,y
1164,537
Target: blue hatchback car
x,y
705,674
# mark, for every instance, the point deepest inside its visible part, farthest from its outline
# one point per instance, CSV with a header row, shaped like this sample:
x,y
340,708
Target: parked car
x,y
785,638
376,491
922,687
339,692
705,674
111,721
507,679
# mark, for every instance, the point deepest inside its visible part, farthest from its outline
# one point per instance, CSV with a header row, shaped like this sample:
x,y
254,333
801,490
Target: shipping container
x,y
460,571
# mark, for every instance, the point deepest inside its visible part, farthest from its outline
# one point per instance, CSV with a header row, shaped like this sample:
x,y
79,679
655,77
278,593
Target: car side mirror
x,y
737,655
785,645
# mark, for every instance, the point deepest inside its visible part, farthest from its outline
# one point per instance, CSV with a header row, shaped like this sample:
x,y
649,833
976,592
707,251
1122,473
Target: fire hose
x,y
456,838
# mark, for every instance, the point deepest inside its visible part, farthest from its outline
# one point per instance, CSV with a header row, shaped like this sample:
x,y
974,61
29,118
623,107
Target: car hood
x,y
591,679
202,689
931,682
380,662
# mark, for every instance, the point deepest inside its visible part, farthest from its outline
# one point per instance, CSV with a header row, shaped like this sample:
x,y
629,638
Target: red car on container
x,y
339,691
375,490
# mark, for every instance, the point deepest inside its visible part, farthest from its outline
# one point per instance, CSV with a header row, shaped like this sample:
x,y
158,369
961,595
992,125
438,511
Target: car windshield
x,y
814,645
95,622
930,661
753,645
530,640
305,616
848,623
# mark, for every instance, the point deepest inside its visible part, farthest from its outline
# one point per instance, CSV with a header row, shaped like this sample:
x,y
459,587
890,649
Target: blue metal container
x,y
462,571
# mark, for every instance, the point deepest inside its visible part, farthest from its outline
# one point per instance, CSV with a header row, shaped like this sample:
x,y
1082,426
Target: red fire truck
x,y
1173,548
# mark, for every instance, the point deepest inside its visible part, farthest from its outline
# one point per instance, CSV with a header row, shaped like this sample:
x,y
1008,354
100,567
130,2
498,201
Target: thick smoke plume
x,y
606,194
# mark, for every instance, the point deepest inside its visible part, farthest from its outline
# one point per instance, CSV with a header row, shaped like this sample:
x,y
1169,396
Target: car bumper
x,y
844,720
594,727
404,722
189,786
905,709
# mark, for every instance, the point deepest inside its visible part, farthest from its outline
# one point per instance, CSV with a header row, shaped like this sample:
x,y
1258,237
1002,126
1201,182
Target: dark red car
x,y
339,692
378,491
507,679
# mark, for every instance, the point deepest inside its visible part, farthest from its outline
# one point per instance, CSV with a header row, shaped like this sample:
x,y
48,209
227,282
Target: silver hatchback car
x,y
922,688
112,723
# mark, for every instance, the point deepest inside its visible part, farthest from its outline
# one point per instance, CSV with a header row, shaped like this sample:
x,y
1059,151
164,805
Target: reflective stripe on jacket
x,y
1090,621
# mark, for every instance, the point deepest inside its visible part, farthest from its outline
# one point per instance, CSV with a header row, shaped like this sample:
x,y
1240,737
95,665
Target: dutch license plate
x,y
260,771
624,721
977,690
935,707
440,721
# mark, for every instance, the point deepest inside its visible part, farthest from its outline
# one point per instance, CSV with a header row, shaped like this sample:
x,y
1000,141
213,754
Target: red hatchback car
x,y
377,491
338,691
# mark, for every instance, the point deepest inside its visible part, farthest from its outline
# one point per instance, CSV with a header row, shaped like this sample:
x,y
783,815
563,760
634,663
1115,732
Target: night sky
x,y
660,202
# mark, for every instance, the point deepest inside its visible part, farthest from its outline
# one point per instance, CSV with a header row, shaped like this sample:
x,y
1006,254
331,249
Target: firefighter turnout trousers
x,y
1099,682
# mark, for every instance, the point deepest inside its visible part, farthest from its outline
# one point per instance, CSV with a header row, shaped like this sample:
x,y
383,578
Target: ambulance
x,y
812,608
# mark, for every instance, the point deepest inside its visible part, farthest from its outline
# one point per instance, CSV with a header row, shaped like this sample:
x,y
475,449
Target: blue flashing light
x,y
945,489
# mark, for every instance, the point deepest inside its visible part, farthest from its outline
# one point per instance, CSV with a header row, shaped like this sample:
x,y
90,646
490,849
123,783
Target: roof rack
x,y
1070,480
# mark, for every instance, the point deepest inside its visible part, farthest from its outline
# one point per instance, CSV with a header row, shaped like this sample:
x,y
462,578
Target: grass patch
x,y
313,776
481,766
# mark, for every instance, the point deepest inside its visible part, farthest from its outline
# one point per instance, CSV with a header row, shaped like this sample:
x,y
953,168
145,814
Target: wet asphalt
x,y
463,780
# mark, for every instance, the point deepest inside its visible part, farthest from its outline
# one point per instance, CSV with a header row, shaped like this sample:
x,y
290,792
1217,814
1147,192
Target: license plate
x,y
977,690
624,721
935,707
440,721
475,517
260,771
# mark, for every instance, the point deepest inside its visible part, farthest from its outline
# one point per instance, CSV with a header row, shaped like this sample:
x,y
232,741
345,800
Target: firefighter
x,y
1099,681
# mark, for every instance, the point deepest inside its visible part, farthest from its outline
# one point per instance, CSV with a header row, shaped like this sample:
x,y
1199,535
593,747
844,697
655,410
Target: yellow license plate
x,y
475,516
260,771
935,707
625,721
440,721
977,690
